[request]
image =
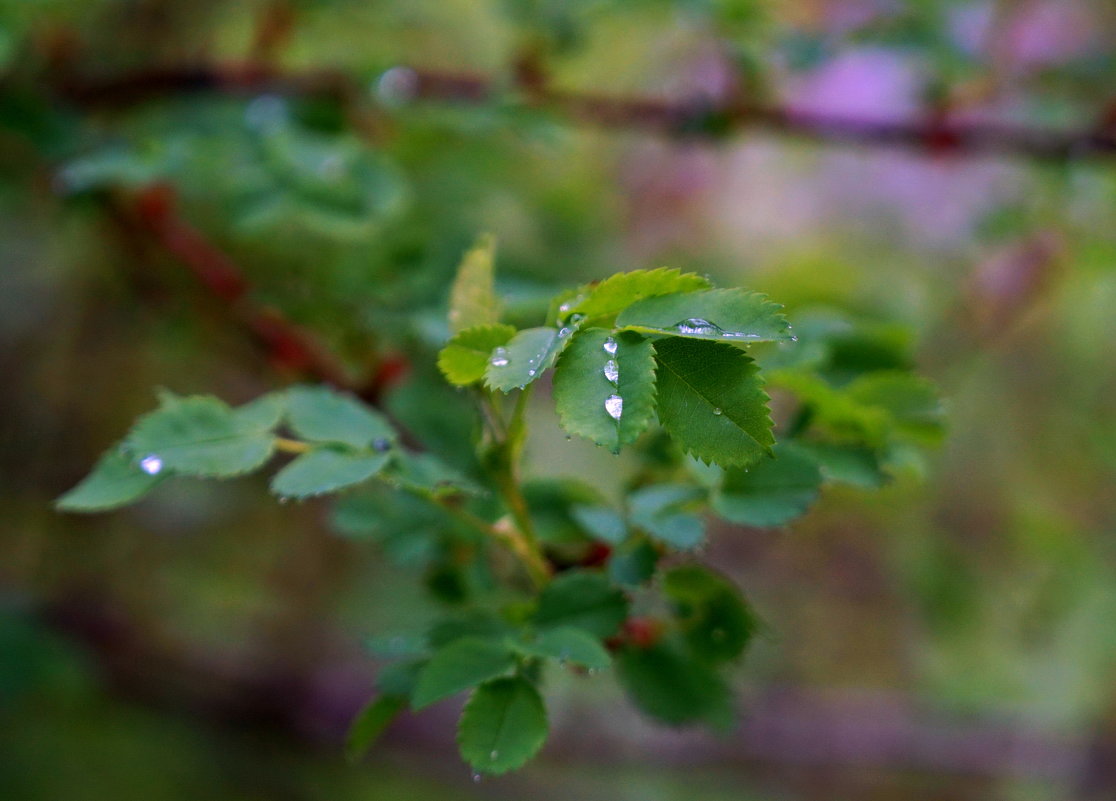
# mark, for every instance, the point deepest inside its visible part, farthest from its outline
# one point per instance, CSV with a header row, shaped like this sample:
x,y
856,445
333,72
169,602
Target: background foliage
x,y
229,197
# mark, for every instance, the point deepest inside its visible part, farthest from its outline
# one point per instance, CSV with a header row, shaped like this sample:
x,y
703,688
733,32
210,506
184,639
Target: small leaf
x,y
729,315
320,414
658,510
116,480
462,664
847,464
326,470
529,353
711,400
464,359
634,564
502,726
473,298
264,413
601,303
911,401
372,721
568,644
771,492
603,523
426,474
400,678
672,686
200,436
475,623
714,619
583,600
604,387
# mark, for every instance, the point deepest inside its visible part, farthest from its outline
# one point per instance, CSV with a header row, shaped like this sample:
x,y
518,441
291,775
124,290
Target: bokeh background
x,y
224,197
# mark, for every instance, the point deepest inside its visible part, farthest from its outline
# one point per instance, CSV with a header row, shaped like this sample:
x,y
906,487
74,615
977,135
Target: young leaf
x,y
320,414
462,664
730,315
771,492
326,470
200,436
603,523
657,509
473,298
264,413
584,600
525,358
464,359
672,686
568,644
372,721
116,480
601,303
426,474
604,387
502,726
711,400
715,620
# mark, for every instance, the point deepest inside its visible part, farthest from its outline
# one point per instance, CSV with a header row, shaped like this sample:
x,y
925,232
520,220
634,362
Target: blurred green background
x,y
183,185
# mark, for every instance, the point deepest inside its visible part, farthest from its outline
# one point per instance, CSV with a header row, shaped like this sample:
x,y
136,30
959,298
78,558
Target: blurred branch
x,y
933,133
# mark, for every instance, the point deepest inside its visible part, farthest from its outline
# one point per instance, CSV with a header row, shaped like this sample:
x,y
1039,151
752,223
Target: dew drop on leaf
x,y
381,445
717,410
151,464
612,371
499,357
610,346
493,754
614,405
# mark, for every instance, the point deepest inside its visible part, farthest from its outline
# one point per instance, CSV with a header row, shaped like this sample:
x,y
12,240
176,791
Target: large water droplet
x,y
381,445
698,326
610,346
614,405
565,332
151,464
612,371
499,358
717,410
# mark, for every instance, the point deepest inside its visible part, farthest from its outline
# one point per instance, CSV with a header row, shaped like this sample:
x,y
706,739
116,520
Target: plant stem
x,y
292,445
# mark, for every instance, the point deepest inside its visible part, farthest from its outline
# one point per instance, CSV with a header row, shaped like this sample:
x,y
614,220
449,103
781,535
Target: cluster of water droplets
x,y
699,326
614,404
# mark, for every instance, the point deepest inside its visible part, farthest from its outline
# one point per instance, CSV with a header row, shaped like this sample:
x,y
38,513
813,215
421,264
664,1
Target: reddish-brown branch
x,y
933,132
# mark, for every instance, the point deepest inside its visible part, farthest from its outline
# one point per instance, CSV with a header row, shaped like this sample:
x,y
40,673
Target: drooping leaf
x,y
428,475
672,686
711,400
601,303
526,357
736,316
324,470
473,300
320,414
200,436
772,491
714,619
502,726
116,480
568,644
602,522
660,510
582,600
464,663
604,387
464,359
370,723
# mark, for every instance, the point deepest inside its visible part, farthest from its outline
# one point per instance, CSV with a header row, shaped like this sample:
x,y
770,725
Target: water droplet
x,y
493,754
531,373
564,308
499,358
476,778
381,445
794,338
576,318
283,500
612,371
398,85
698,326
610,346
151,464
614,405
717,410
565,332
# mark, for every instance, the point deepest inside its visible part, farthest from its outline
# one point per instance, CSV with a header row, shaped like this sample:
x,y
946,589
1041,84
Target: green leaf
x,y
568,644
321,414
847,464
264,413
657,509
603,523
464,359
736,316
714,619
372,721
771,492
428,475
911,401
711,400
583,600
473,298
326,470
672,686
116,480
601,303
604,387
475,623
200,436
633,564
464,663
400,678
502,726
529,353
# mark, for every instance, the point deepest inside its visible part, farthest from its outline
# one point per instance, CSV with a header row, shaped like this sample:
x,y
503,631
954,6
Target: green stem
x,y
292,445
